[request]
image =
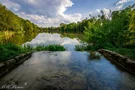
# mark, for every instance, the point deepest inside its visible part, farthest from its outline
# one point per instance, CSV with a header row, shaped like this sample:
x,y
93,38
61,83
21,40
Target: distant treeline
x,y
10,21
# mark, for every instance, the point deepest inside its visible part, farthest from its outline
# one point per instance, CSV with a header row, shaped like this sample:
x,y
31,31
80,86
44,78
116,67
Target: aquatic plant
x,y
53,47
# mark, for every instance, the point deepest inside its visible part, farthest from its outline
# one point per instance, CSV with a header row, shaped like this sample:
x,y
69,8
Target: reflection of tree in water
x,y
94,56
19,39
73,35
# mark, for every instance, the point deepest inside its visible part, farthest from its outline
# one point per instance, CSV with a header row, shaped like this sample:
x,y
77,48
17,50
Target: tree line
x,y
10,21
116,31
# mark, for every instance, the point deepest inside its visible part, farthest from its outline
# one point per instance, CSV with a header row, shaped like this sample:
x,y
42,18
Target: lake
x,y
68,70
50,39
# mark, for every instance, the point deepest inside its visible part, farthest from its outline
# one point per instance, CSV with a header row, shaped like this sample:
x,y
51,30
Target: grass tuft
x,y
8,51
45,48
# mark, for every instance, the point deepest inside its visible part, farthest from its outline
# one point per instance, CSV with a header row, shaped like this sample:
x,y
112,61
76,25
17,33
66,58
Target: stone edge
x,y
121,60
8,65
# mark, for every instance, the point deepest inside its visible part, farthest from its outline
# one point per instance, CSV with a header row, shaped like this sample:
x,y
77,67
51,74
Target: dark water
x,y
68,70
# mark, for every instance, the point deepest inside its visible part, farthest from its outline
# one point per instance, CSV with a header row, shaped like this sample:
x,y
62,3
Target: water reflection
x,y
69,70
18,38
94,55
73,35
47,39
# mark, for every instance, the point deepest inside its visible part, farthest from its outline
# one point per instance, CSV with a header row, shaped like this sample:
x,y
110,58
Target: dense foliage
x,y
10,21
116,30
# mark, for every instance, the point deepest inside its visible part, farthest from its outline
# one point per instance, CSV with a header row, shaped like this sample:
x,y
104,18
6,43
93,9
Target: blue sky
x,y
53,12
90,5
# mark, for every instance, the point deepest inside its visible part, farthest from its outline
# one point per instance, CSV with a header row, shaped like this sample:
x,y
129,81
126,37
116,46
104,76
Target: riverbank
x,y
128,52
12,55
125,51
9,50
10,64
125,62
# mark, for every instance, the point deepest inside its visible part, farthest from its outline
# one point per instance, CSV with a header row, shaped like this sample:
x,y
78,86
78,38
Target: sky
x,y
46,13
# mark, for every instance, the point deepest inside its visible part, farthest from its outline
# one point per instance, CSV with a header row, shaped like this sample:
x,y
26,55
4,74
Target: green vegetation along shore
x,y
128,52
53,47
8,51
115,30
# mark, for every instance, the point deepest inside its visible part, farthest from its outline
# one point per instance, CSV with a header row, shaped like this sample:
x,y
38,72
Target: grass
x,y
8,51
45,48
124,51
80,48
86,48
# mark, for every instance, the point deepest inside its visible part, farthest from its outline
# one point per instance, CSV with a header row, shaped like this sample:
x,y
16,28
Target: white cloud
x,y
11,5
43,12
98,10
106,11
124,3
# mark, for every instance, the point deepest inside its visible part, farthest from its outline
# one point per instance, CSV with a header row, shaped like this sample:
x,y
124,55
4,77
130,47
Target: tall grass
x,y
45,48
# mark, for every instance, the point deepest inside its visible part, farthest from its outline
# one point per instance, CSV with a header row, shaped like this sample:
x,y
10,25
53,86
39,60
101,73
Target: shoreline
x,y
7,66
123,61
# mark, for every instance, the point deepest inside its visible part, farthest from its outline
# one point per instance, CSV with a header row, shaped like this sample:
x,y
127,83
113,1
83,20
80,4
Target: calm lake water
x,y
48,39
68,70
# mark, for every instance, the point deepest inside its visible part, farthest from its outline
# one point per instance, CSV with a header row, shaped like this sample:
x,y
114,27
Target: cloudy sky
x,y
53,12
